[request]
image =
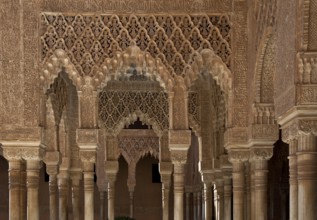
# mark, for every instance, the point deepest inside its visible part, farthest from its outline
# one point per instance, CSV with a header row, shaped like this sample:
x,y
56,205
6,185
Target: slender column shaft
x,y
293,204
102,205
208,201
14,189
165,199
307,177
187,205
111,190
199,205
53,197
32,176
248,206
179,191
252,187
75,198
23,198
195,205
220,190
89,190
63,192
238,190
260,187
227,198
131,204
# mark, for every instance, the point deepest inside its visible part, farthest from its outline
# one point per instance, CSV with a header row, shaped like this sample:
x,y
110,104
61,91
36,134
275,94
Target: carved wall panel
x,y
89,39
117,106
134,148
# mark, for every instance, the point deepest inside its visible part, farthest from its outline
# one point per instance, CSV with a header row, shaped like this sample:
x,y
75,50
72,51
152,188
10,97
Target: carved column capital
x,y
238,155
87,156
12,153
179,157
52,161
261,153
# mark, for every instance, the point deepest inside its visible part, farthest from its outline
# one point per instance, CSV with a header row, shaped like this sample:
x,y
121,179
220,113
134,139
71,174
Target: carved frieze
x,y
87,136
88,39
264,131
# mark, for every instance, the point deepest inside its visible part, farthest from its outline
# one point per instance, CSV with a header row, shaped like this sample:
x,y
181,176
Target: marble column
x,y
293,204
14,189
260,157
51,160
32,177
187,205
252,188
63,183
111,170
88,167
179,191
195,205
238,190
199,205
111,194
307,176
247,198
166,184
227,197
208,200
75,195
23,193
102,205
53,196
220,202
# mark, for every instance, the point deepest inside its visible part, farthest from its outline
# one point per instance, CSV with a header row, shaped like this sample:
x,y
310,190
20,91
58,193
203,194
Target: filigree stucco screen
x,y
89,39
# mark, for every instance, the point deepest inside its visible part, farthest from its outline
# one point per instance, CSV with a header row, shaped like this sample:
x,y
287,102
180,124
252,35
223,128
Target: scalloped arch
x,y
54,65
132,117
142,61
208,62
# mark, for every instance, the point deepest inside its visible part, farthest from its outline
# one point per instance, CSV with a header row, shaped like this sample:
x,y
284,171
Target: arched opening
x,y
148,193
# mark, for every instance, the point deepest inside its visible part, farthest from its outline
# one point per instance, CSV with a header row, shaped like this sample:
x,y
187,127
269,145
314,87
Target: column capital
x,y
261,153
179,157
52,158
238,155
87,156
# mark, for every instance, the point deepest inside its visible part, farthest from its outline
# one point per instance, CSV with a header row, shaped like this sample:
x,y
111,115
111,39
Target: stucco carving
x,y
238,155
87,156
134,148
120,108
88,39
261,153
